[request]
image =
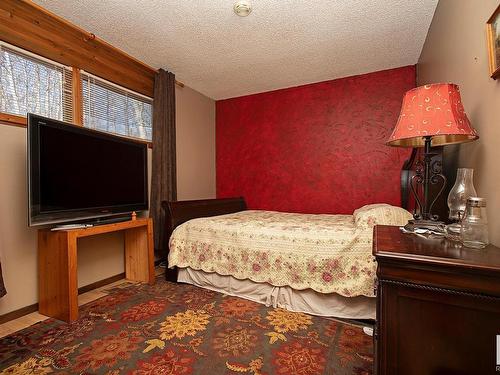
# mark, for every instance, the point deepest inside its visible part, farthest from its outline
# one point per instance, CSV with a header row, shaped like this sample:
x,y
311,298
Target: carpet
x,y
170,328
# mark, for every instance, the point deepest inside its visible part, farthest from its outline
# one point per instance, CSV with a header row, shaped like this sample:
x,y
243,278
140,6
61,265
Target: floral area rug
x,y
173,328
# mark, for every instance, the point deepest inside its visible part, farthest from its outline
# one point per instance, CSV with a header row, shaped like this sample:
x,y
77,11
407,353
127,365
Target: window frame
x,y
76,95
20,120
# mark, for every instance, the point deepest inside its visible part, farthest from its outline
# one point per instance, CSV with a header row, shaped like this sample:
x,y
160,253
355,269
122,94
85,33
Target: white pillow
x,y
380,214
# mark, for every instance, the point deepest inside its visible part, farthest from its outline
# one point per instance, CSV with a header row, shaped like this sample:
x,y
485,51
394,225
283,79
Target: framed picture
x,y
493,31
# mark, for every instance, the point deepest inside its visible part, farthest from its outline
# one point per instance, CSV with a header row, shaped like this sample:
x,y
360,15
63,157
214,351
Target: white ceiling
x,y
282,43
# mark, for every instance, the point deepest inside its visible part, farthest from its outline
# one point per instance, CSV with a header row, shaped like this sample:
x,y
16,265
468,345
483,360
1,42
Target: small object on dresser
x,y
452,231
134,215
457,200
422,230
474,229
460,192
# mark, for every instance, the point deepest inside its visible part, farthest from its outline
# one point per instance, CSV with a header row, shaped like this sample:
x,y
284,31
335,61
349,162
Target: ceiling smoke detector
x,y
242,8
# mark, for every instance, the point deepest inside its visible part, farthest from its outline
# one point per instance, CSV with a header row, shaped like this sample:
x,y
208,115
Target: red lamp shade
x,y
432,110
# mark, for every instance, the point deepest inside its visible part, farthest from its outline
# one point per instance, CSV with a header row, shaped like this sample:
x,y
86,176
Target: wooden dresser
x,y
438,306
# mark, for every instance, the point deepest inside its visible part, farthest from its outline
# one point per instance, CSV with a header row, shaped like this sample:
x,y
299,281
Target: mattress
x,y
306,301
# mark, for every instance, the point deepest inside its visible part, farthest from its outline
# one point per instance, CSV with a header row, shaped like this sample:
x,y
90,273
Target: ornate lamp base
x,y
426,173
437,227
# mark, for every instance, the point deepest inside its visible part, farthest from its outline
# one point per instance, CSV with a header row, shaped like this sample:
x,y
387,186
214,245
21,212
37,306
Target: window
x,y
109,107
32,84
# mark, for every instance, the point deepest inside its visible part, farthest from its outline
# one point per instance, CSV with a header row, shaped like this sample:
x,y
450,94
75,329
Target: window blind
x,y
29,83
109,107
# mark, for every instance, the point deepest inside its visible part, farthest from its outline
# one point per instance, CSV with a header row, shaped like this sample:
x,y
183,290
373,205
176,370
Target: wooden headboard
x,y
448,157
179,212
407,173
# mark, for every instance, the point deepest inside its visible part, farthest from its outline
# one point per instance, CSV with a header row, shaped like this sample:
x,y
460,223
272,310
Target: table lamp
x,y
431,115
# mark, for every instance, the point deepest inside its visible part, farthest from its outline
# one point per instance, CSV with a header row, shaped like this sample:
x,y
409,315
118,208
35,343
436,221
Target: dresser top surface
x,y
390,243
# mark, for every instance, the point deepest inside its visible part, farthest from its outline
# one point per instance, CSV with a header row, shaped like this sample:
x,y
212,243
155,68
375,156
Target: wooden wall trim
x,y
31,27
14,120
34,307
22,122
76,84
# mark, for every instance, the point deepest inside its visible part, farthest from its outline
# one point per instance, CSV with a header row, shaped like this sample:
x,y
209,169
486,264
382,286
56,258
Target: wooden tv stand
x,y
57,265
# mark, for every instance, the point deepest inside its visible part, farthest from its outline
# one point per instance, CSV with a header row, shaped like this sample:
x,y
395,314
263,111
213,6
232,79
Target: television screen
x,y
76,173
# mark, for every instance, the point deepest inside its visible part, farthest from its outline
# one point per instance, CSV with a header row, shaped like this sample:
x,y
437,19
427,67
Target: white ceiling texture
x,y
282,43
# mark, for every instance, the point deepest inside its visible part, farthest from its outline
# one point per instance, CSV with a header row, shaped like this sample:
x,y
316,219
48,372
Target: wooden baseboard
x,y
18,313
100,283
34,307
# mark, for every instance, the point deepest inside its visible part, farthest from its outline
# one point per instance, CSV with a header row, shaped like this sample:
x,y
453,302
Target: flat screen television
x,y
77,174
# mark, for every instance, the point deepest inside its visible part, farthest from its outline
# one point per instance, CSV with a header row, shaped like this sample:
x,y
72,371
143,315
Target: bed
x,y
318,264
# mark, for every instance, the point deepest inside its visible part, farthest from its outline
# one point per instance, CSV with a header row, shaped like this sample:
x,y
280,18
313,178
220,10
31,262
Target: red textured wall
x,y
316,148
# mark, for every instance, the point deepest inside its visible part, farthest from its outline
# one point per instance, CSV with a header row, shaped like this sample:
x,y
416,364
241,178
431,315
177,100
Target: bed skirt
x,y
307,301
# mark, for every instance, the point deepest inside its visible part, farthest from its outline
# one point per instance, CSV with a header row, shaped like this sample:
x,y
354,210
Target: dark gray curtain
x,y
163,178
2,286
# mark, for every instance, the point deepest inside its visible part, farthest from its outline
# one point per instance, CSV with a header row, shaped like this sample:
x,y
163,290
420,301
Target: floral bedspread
x,y
327,253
